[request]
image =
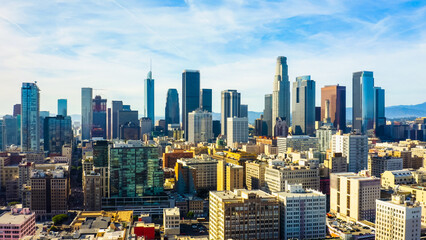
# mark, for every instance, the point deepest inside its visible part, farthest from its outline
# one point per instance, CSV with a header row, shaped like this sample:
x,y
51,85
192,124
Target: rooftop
x,y
16,218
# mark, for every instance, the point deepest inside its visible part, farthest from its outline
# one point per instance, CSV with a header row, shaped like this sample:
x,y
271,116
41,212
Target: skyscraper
x,y
336,95
362,101
200,126
149,98
16,110
303,122
57,133
237,131
30,119
206,99
62,107
117,106
281,92
379,111
244,110
172,107
231,101
86,113
190,95
267,113
99,119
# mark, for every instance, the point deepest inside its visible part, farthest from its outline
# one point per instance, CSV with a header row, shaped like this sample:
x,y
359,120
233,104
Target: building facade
x,y
206,99
237,130
190,96
354,147
231,106
336,95
30,117
303,110
362,101
86,113
281,92
149,98
172,114
200,126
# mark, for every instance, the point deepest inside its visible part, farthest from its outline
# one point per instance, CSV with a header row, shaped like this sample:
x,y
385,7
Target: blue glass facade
x,y
379,111
99,125
190,95
303,122
30,117
149,98
172,107
86,113
62,107
57,133
206,99
363,101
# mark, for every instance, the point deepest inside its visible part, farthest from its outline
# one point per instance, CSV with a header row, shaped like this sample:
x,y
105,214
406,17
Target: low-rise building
x,y
17,224
378,165
276,177
171,221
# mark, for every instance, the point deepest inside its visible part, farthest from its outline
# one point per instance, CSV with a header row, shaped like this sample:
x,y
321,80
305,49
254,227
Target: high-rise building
x,y
397,219
62,107
237,131
92,189
303,122
229,176
126,116
231,101
244,110
30,117
255,174
117,106
206,99
57,133
86,113
169,159
296,143
302,213
12,129
281,92
172,107
17,109
200,126
353,196
99,124
149,98
354,148
216,128
195,175
190,96
2,135
146,126
109,123
335,163
267,114
227,209
336,96
277,177
379,111
362,101
378,164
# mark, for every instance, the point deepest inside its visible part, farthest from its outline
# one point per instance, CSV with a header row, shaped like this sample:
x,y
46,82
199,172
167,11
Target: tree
x,y
13,203
190,215
59,219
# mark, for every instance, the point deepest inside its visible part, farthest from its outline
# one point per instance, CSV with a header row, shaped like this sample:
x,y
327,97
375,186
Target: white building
x,y
397,219
237,131
302,214
200,126
277,177
297,143
354,148
171,221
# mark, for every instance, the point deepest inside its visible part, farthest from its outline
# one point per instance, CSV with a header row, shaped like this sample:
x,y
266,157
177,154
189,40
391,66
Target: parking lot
x,y
194,228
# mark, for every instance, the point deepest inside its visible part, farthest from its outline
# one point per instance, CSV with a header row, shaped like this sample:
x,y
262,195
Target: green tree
x,y
13,203
59,219
190,215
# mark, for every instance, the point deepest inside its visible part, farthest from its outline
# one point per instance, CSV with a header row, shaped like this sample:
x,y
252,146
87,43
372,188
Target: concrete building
x,y
397,219
354,147
200,126
229,176
390,179
195,174
281,92
171,221
255,174
237,131
231,106
92,190
353,196
336,163
378,165
303,106
170,159
302,214
277,177
17,224
296,143
259,210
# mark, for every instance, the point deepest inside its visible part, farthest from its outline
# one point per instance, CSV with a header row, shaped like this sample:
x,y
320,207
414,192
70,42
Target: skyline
x,y
108,45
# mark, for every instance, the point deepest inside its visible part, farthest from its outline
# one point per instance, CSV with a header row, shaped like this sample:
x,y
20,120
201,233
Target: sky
x,y
65,45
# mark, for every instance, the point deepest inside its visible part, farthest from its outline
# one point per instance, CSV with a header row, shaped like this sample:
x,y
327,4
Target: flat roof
x,y
15,219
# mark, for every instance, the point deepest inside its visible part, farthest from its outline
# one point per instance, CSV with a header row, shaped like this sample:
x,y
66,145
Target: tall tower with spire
x,y
281,92
149,97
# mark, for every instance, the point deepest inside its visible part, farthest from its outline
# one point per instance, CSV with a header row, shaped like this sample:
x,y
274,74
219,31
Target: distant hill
x,y
399,111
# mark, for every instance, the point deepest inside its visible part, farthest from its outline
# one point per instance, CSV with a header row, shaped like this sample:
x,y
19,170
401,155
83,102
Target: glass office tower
x,y
206,99
231,107
57,133
172,107
281,92
86,113
190,95
379,111
336,97
149,98
363,101
303,122
99,124
30,117
62,107
267,114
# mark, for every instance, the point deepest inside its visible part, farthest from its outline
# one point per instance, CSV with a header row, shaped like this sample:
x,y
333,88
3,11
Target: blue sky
x,y
107,44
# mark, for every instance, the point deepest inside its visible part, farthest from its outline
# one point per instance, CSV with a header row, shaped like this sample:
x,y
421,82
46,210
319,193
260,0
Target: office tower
x,y
281,128
62,107
231,101
336,95
237,131
86,113
216,128
109,124
206,99
335,163
92,189
2,135
99,124
169,159
276,177
362,101
397,219
100,164
43,115
200,126
303,122
130,131
30,117
149,98
21,221
126,116
57,133
16,110
281,92
353,196
378,165
195,175
267,113
146,126
172,107
229,176
296,143
190,96
302,213
325,135
49,193
379,111
117,106
160,125
244,110
227,209
134,171
354,148
260,127
12,132
255,174
171,221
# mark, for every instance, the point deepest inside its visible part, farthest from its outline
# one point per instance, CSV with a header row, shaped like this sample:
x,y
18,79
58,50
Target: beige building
x,y
336,163
243,214
352,196
276,177
202,171
390,179
397,219
229,176
255,174
378,165
92,189
171,221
